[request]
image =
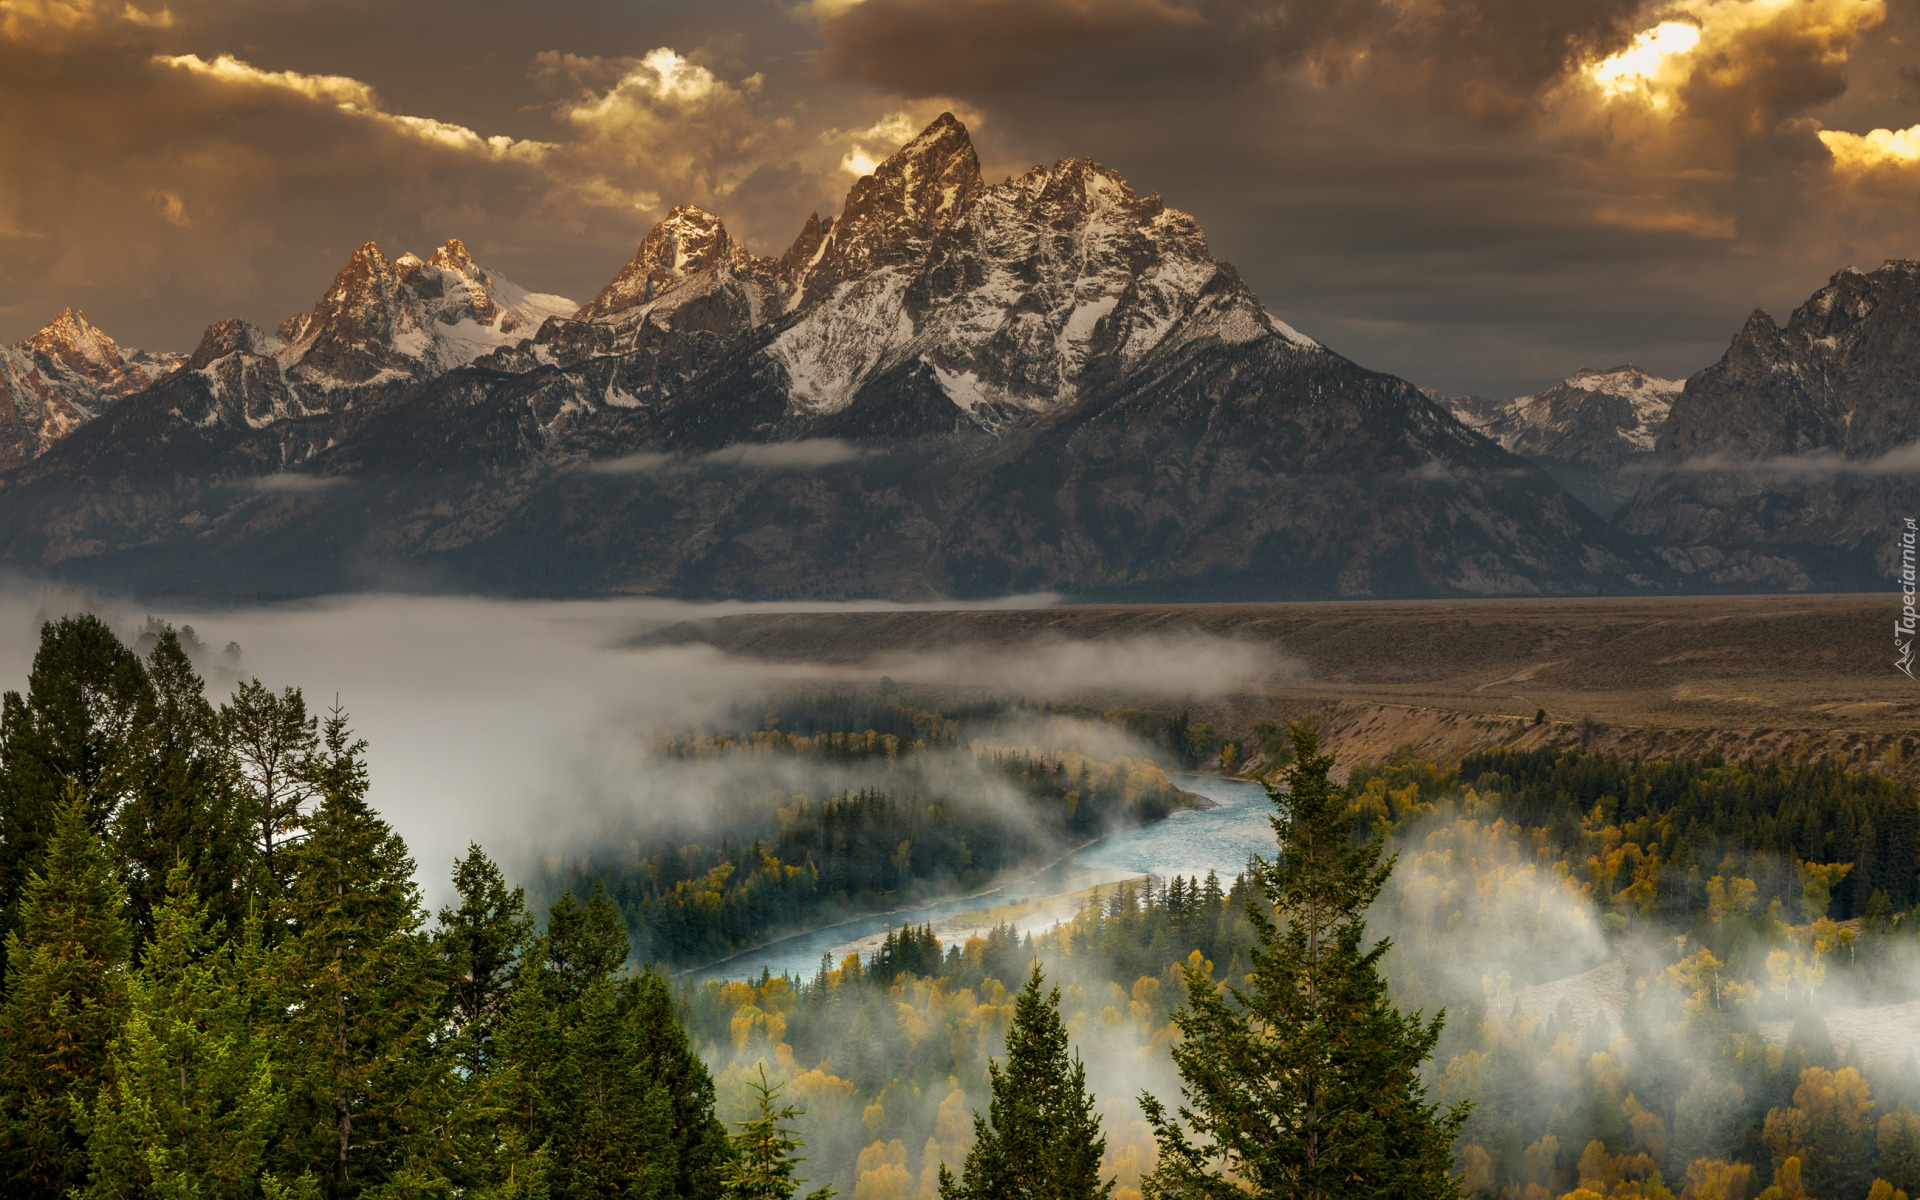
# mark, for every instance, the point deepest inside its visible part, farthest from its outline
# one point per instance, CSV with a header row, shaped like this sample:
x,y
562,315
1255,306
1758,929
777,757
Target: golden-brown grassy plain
x,y
1741,675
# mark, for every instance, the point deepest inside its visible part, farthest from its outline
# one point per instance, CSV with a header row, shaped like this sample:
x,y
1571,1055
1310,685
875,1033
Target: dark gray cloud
x,y
1444,189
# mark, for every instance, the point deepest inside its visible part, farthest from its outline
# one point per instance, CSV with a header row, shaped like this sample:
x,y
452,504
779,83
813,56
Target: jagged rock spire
x,y
890,216
71,340
689,240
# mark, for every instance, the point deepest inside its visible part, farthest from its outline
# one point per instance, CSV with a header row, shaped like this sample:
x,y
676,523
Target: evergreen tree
x,y
766,1151
598,1069
65,997
274,746
363,985
1305,1083
482,942
664,1054
189,1101
75,733
181,810
1041,1139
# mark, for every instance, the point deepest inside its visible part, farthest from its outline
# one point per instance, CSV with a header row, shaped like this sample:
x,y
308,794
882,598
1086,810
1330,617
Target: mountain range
x,y
948,388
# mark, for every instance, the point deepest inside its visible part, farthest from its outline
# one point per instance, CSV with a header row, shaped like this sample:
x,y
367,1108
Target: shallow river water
x,y
1190,842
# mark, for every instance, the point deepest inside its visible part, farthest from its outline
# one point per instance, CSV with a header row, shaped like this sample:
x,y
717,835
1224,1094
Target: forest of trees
x,y
1718,1070
220,981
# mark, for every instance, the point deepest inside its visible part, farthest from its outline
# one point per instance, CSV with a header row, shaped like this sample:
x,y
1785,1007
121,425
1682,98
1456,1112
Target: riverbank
x,y
1190,841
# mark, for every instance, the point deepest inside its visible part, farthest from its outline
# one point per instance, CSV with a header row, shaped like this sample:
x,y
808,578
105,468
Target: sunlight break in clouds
x,y
1730,46
1641,65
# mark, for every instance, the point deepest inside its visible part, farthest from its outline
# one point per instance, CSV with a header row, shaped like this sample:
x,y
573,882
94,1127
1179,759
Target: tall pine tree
x,y
274,748
766,1151
482,941
369,1087
1041,1139
599,1071
189,1103
65,997
76,732
181,809
1305,1083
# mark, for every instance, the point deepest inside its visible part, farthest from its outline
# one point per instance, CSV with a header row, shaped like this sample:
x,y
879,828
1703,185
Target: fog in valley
x,y
1613,1026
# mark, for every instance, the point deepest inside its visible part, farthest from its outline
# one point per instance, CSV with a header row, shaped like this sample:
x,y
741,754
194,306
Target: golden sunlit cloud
x,y
159,20
1693,224
1724,44
1646,64
352,96
858,162
45,21
1874,150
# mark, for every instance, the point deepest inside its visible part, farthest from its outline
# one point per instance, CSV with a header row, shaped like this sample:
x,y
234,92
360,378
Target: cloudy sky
x,y
1477,194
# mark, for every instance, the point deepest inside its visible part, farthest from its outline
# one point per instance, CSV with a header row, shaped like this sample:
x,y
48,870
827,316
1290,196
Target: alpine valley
x,y
949,388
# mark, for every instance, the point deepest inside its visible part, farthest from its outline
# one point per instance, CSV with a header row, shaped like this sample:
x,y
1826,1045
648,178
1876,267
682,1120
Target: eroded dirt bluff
x,y
1743,676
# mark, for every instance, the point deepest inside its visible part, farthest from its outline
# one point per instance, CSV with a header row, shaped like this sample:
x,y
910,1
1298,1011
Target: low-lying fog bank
x,y
529,727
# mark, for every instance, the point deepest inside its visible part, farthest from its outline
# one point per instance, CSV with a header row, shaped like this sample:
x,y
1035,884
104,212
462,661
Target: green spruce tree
x,y
1041,1139
766,1151
181,810
65,998
273,746
482,942
189,1103
1305,1083
76,732
597,1069
370,1088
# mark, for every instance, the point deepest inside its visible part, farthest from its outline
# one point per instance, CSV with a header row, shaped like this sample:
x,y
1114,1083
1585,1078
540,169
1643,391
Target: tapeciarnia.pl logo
x,y
1903,628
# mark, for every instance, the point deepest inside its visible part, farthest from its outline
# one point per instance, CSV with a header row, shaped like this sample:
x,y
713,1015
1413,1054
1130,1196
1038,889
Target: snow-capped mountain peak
x,y
62,376
408,319
892,216
688,241
1006,300
70,339
1594,430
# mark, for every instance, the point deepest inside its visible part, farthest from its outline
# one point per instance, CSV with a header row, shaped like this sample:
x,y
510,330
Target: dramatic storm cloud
x,y
1478,194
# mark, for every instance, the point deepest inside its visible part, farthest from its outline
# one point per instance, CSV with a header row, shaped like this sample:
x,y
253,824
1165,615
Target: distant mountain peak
x,y
1593,431
62,376
892,215
452,255
384,321
69,338
687,241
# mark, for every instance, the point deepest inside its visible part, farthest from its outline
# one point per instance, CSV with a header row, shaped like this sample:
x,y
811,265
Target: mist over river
x,y
1188,842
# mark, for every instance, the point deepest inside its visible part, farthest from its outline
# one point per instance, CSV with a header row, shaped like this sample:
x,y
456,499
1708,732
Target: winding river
x,y
1190,842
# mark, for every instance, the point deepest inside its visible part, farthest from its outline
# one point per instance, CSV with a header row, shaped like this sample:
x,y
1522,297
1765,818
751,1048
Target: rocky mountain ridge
x,y
1594,431
946,388
62,376
1794,460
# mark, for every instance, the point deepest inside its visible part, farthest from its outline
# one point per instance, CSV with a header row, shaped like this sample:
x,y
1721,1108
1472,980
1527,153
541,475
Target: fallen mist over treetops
x,y
536,727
